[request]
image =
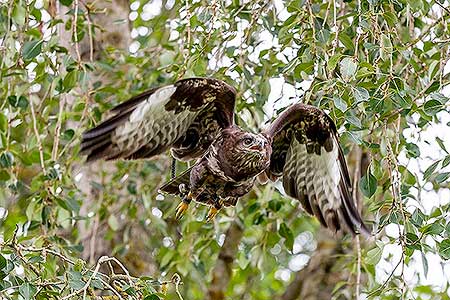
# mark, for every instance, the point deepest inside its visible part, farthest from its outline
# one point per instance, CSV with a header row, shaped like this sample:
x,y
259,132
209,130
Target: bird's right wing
x,y
307,155
185,116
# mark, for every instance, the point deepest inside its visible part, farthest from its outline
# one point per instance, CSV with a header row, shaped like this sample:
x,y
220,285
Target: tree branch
x,y
318,279
221,274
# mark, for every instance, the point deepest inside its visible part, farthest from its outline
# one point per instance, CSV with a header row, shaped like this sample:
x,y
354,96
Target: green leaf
x,y
31,49
351,117
347,41
385,47
3,123
417,217
332,62
360,94
444,249
66,2
113,223
413,150
374,255
129,290
166,258
19,14
446,161
68,134
424,263
27,290
432,107
340,103
152,297
20,102
2,262
441,144
70,80
440,178
391,18
433,87
434,228
368,185
307,67
76,280
430,170
286,232
275,205
6,159
348,68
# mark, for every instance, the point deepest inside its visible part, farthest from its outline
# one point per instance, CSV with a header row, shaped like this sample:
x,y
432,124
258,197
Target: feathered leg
x,y
183,206
214,209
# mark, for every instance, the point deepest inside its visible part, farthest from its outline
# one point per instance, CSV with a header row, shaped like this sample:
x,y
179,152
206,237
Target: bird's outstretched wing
x,y
307,155
185,116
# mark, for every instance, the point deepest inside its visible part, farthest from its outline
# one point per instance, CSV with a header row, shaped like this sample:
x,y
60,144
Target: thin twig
x,y
396,194
62,103
442,6
38,137
91,38
336,28
356,178
75,30
358,29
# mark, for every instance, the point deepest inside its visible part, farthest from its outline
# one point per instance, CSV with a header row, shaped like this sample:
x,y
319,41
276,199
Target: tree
x,y
68,231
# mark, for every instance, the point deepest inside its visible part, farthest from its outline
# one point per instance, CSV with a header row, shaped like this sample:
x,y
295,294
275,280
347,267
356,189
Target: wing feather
x,y
313,168
185,116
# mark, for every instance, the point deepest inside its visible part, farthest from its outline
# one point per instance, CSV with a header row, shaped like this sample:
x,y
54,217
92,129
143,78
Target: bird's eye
x,y
247,141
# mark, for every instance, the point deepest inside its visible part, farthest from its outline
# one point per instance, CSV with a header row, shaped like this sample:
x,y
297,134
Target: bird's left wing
x,y
307,155
185,116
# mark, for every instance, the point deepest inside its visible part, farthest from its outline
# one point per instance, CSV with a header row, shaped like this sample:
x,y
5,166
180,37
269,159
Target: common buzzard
x,y
194,118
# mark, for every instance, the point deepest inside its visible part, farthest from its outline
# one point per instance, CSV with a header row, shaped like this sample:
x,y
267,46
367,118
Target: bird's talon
x,y
211,214
181,210
182,188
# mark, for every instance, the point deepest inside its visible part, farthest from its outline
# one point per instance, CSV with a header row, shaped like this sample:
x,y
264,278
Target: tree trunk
x,y
221,273
112,28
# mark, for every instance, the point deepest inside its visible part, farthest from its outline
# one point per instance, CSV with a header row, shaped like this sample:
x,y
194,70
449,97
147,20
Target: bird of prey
x,y
194,118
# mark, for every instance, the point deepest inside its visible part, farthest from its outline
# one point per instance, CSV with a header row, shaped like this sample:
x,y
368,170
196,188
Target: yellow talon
x,y
181,210
211,214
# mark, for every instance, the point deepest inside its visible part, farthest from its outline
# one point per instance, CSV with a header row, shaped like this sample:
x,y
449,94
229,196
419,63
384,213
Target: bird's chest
x,y
212,184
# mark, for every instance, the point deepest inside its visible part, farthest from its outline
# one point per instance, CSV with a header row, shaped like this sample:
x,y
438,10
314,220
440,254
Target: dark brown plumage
x,y
194,118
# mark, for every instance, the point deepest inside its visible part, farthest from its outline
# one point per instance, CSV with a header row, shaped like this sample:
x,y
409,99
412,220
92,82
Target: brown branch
x,y
222,271
318,279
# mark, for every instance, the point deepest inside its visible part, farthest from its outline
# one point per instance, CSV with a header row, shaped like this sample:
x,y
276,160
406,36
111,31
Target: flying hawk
x,y
194,118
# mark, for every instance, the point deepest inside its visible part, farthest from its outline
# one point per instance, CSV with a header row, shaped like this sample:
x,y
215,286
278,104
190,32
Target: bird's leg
x,y
183,206
213,210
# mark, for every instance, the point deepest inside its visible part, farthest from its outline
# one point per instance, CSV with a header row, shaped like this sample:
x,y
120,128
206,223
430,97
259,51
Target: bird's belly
x,y
213,191
223,192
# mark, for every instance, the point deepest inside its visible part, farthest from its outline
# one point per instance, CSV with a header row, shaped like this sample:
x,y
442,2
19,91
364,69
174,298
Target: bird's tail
x,y
172,186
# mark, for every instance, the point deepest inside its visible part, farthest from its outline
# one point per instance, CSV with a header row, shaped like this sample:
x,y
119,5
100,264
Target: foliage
x,y
377,66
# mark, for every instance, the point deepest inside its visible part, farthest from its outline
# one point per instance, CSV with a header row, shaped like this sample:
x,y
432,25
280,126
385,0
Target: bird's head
x,y
247,153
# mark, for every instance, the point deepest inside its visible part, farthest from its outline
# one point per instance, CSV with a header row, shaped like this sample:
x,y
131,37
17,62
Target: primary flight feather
x,y
194,118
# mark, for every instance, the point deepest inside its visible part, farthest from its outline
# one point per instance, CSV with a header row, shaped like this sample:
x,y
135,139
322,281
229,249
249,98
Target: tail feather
x,y
351,214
